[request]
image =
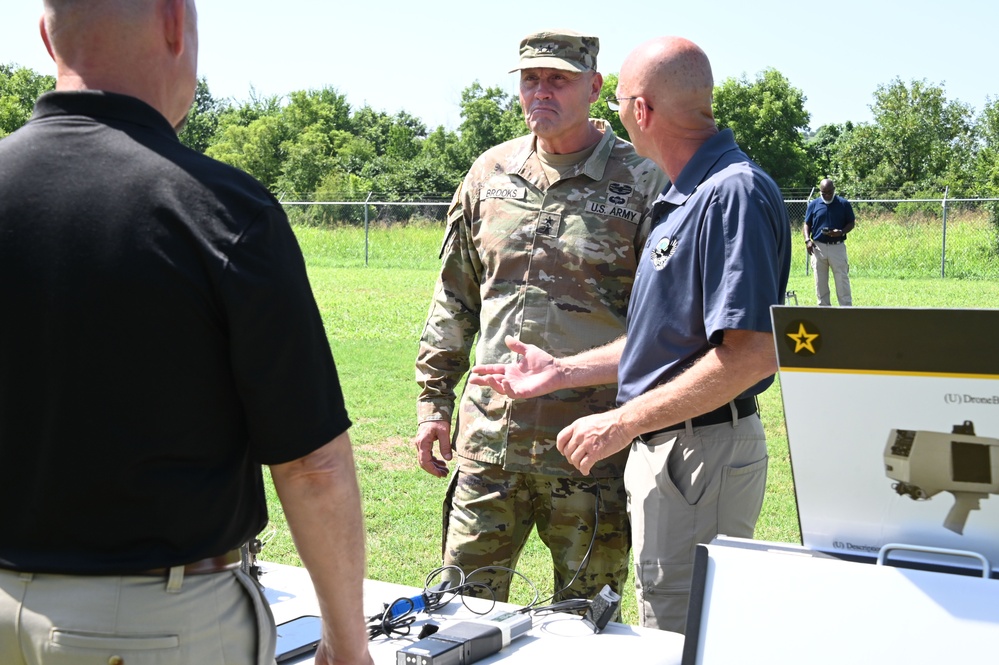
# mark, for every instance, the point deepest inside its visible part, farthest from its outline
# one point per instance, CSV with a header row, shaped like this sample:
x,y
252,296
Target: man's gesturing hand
x,y
534,373
591,439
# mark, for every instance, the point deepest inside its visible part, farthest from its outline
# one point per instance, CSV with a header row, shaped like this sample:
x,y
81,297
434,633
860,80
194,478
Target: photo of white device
x,y
927,463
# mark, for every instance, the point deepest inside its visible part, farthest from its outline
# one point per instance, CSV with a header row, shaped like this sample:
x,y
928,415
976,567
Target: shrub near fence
x,y
895,239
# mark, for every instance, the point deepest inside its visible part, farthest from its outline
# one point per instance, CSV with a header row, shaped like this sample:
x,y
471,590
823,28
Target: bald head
x,y
142,48
74,28
668,84
673,74
827,189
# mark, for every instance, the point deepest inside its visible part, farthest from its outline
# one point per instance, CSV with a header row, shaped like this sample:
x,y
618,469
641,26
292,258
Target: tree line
x,y
312,145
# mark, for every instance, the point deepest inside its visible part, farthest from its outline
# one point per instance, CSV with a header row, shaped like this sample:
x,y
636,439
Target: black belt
x,y
745,406
831,242
213,564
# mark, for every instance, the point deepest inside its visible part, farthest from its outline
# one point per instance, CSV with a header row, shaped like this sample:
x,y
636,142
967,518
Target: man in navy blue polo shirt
x,y
827,221
699,346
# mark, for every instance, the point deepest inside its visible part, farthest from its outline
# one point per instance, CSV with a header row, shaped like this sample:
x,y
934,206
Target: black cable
x,y
570,605
398,616
392,623
440,594
586,557
492,591
396,619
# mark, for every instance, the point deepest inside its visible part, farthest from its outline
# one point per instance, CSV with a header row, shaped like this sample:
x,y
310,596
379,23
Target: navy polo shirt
x,y
718,257
833,215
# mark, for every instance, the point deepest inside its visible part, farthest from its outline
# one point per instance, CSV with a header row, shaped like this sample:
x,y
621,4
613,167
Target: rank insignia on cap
x,y
559,49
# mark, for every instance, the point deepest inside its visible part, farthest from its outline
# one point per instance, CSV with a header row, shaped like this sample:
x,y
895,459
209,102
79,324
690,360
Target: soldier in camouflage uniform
x,y
541,244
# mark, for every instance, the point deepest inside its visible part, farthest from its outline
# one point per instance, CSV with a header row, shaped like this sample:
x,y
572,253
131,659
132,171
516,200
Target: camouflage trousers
x,y
489,514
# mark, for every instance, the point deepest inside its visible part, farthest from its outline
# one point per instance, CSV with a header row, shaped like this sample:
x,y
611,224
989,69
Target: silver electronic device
x,y
466,641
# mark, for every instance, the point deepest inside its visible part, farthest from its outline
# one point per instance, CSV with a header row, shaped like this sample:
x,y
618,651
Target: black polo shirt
x,y
159,342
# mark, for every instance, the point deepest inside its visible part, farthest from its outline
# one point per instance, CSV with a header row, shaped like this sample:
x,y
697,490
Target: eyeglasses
x,y
614,103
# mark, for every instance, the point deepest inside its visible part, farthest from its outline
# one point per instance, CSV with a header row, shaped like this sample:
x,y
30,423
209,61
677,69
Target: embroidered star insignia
x,y
803,339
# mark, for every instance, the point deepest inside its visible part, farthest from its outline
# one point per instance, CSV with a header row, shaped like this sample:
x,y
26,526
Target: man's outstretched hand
x,y
534,373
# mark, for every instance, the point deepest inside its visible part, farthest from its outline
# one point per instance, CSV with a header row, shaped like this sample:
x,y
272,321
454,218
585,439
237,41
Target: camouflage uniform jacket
x,y
550,264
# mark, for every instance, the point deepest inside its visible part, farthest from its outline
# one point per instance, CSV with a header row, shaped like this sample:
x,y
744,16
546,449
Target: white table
x,y
555,638
778,604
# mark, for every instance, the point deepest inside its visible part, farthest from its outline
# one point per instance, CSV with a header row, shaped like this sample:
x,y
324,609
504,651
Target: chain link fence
x,y
432,208
894,238
913,238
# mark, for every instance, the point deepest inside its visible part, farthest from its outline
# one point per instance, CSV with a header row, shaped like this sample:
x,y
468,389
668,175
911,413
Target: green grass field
x,y
374,314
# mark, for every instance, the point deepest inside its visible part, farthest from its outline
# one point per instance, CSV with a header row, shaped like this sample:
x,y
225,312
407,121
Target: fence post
x,y
943,246
808,259
366,229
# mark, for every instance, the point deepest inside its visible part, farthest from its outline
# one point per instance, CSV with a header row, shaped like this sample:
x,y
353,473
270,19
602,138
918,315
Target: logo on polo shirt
x,y
663,251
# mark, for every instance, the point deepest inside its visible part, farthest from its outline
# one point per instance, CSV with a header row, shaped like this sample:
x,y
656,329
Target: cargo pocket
x,y
663,595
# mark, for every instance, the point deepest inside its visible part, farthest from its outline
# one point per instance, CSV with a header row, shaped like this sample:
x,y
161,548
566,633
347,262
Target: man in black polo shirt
x,y
160,342
827,221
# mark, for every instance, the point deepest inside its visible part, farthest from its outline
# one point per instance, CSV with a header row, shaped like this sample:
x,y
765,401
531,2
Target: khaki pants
x,y
686,487
133,620
824,257
489,514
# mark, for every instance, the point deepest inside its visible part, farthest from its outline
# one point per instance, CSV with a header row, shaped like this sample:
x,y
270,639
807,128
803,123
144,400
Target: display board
x,y
893,428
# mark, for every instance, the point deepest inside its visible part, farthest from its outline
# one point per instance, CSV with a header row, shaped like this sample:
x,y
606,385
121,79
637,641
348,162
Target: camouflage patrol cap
x,y
559,49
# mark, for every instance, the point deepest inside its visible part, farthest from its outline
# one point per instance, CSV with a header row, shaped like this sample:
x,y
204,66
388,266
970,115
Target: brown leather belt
x,y
213,564
745,406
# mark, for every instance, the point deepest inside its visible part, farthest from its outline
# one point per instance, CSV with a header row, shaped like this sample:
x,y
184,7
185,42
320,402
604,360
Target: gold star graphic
x,y
803,339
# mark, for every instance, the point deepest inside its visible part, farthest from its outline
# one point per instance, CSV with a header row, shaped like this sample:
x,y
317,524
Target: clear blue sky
x,y
419,56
